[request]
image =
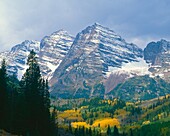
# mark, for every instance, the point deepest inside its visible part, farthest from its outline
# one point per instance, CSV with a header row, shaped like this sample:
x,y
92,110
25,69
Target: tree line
x,y
25,104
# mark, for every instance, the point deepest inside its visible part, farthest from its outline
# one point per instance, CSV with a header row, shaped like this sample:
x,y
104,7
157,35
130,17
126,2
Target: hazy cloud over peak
x,y
136,21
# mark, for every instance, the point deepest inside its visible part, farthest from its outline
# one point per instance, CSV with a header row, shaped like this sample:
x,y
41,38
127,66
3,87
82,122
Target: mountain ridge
x,y
59,41
94,52
91,64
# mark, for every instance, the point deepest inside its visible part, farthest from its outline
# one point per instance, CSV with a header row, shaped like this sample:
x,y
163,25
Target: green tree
x,y
115,132
91,121
131,132
70,128
108,130
83,131
46,96
76,132
13,114
37,115
90,132
3,95
54,125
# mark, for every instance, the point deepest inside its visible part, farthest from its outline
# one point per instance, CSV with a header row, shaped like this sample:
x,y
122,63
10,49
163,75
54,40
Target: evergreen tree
x,y
123,134
115,132
3,95
87,131
46,96
12,87
36,94
131,132
76,132
70,128
54,125
83,131
94,131
91,121
90,132
108,130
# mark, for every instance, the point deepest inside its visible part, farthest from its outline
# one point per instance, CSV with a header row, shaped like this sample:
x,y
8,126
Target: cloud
x,y
136,21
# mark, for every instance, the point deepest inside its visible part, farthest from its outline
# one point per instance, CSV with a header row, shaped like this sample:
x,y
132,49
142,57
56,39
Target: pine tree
x,y
76,132
53,124
131,132
83,131
45,105
12,87
91,122
123,134
87,131
30,83
90,132
37,99
3,95
46,96
115,132
108,130
70,128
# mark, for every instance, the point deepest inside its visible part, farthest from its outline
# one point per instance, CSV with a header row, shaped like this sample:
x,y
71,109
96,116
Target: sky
x,y
137,21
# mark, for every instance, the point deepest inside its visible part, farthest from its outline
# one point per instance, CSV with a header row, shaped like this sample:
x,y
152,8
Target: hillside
x,y
98,62
129,117
97,51
157,54
141,88
50,52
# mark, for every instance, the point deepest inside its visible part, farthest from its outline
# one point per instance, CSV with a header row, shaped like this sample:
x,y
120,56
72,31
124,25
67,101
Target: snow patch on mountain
x,y
53,50
133,68
50,52
16,58
95,53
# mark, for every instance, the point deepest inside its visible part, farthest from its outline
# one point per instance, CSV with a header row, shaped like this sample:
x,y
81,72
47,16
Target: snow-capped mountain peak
x,y
26,45
16,58
95,52
50,52
53,50
157,55
97,56
60,32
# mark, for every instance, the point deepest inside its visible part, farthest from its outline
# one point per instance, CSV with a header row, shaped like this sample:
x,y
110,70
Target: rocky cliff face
x,y
53,49
92,64
16,58
158,55
50,52
96,52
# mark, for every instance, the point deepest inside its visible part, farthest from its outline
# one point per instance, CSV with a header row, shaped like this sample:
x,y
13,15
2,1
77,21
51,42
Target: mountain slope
x,y
141,88
16,58
158,55
95,53
92,64
53,49
50,52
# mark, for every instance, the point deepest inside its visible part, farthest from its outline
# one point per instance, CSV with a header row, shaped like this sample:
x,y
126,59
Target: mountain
x,y
157,54
53,49
16,58
153,84
50,52
141,88
94,63
97,52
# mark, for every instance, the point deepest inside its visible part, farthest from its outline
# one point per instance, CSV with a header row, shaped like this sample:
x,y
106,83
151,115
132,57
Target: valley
x,y
131,118
84,68
93,84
